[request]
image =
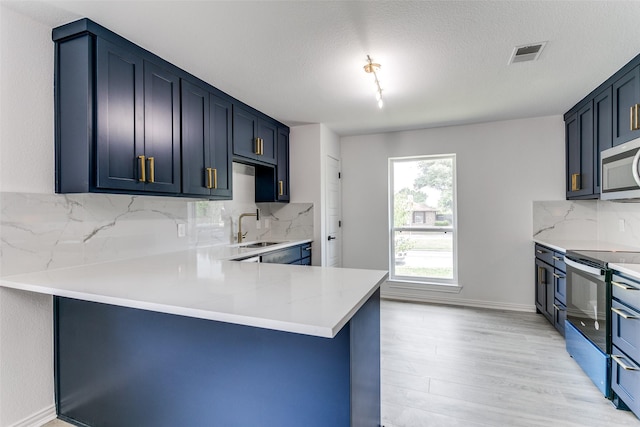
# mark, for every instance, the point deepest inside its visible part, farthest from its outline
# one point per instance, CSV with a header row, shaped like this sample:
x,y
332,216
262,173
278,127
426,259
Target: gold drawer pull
x,y
209,184
618,359
281,185
623,286
257,146
575,182
623,314
143,169
152,169
215,178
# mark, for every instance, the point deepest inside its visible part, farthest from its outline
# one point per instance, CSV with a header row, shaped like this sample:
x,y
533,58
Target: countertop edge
x,y
631,270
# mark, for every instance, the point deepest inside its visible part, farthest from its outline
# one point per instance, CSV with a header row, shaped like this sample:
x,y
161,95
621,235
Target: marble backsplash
x,y
603,221
45,231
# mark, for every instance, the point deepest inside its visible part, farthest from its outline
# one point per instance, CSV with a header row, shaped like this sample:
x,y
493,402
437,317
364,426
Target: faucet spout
x,y
240,235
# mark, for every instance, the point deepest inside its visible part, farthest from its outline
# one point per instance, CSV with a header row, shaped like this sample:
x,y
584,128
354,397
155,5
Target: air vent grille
x,y
529,52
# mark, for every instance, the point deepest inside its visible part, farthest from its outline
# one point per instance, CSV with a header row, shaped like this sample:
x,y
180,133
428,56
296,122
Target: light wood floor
x,y
445,366
453,366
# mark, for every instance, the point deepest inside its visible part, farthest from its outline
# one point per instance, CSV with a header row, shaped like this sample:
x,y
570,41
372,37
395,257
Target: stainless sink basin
x,y
258,244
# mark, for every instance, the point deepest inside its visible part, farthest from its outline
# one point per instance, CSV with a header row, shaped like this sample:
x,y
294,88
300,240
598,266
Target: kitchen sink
x,y
258,244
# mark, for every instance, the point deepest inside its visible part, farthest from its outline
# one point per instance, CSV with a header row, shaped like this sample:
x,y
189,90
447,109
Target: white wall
x,y
309,147
26,164
502,168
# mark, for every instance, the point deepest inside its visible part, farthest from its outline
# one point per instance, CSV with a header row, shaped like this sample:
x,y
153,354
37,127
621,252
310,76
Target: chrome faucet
x,y
240,235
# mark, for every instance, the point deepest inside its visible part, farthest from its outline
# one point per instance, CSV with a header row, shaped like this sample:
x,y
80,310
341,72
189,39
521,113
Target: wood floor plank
x,y
489,368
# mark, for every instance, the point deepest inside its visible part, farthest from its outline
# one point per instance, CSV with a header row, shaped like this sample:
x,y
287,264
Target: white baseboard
x,y
438,299
38,419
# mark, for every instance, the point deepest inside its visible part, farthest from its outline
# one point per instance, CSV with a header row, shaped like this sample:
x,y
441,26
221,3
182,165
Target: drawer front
x,y
625,329
545,254
558,261
625,379
560,286
283,256
626,290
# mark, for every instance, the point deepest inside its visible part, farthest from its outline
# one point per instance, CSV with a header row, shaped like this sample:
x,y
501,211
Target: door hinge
x,y
339,224
339,175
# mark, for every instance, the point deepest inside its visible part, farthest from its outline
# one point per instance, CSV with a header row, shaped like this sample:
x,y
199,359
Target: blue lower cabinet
x,y
124,367
625,379
591,359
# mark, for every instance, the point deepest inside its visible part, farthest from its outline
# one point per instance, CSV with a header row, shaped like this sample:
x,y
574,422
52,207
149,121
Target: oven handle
x,y
582,267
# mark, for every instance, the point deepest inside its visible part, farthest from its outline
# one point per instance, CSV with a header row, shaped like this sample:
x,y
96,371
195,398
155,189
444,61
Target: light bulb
x,y
380,103
378,96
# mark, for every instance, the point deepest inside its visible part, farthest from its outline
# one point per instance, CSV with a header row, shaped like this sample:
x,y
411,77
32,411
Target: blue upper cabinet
x,y
282,169
206,142
127,121
254,136
608,116
137,123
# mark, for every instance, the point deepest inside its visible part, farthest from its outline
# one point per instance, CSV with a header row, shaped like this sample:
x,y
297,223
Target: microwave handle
x,y
634,167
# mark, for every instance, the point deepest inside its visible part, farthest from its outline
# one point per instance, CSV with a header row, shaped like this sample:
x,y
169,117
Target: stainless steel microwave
x,y
620,174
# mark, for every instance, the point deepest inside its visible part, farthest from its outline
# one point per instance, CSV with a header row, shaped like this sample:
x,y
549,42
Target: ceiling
x,y
443,62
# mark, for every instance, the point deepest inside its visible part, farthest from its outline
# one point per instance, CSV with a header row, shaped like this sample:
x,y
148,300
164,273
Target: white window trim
x,y
452,283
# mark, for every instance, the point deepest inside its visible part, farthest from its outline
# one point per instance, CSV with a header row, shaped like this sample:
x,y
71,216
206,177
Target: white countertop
x,y
197,283
563,245
632,270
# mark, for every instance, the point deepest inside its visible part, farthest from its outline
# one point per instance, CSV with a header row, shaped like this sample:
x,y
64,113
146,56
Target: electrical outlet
x,y
621,224
258,226
182,230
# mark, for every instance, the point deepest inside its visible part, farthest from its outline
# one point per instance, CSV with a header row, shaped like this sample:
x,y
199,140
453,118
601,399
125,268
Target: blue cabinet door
x,y
282,168
602,131
220,149
161,129
138,123
245,130
206,142
195,138
268,134
119,118
626,93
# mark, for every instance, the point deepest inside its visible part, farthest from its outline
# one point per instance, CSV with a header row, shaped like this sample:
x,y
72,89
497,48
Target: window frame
x,y
453,229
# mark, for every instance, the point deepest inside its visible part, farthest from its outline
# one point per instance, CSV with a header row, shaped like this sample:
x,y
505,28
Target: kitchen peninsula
x,y
186,338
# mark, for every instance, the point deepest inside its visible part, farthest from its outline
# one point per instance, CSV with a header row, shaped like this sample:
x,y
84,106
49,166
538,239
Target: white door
x,y
333,239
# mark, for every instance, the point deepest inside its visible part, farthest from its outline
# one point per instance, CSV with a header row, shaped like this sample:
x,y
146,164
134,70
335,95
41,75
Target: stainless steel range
x,y
588,325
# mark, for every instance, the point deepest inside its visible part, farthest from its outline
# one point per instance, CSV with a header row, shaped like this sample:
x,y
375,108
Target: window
x,y
422,212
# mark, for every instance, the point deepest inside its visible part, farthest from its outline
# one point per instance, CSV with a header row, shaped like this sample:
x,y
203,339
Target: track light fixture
x,y
372,68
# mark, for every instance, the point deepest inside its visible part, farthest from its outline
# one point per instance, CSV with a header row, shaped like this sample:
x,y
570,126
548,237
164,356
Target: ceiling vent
x,y
529,52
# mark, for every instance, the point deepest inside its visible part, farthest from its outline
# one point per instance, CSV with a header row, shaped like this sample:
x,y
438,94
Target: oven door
x,y
587,303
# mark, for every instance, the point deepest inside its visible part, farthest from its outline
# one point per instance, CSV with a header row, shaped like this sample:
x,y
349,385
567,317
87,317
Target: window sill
x,y
423,286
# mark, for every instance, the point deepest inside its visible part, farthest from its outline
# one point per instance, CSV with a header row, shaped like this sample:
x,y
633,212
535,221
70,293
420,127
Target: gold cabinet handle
x,y
557,258
261,147
631,115
618,360
623,314
209,183
281,185
540,252
623,286
542,280
152,169
575,182
257,146
143,169
215,178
